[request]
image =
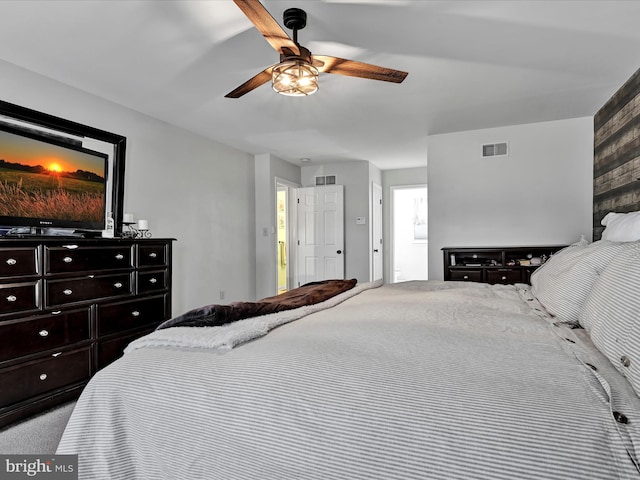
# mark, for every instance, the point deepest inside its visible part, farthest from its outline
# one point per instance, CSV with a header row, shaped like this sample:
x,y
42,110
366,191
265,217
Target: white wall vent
x,y
495,150
326,180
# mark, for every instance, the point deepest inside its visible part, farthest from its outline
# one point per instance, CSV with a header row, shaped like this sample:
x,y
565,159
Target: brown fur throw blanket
x,y
216,315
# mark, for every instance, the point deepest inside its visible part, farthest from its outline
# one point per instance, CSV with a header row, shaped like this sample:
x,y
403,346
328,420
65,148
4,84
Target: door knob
x,y
339,252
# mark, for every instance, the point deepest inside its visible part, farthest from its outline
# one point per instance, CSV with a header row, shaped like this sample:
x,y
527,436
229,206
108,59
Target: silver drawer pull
x,y
12,298
43,333
135,313
504,278
68,291
11,261
118,284
153,280
466,277
57,312
43,376
153,255
70,247
67,259
119,256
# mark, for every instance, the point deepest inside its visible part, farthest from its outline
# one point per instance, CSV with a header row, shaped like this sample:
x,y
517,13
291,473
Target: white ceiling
x,y
472,64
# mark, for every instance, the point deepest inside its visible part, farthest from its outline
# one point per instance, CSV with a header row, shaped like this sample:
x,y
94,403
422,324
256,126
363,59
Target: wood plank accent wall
x,y
616,152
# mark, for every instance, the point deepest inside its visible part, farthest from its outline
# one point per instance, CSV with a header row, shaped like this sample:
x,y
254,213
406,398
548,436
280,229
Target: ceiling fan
x,y
297,72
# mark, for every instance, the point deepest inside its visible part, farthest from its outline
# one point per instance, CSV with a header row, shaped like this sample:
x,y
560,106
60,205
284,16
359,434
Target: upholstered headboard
x,y
616,152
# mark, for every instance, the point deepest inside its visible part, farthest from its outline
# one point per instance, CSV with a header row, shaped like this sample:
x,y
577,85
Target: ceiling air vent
x,y
326,180
495,150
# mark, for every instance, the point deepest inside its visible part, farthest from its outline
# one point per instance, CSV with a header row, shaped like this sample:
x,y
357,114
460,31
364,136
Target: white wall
x,y
392,178
188,187
540,194
356,176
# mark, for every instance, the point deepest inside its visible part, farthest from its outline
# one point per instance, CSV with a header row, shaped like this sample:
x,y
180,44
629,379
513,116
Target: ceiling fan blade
x,y
251,84
266,25
352,68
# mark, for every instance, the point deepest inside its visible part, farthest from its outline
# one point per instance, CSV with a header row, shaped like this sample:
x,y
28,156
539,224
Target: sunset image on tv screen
x,y
46,181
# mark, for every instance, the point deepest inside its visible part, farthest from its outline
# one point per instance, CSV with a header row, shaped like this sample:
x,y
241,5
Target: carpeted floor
x,y
38,435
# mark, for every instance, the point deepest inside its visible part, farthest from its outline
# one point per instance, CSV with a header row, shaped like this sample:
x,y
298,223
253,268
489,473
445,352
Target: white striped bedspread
x,y
418,380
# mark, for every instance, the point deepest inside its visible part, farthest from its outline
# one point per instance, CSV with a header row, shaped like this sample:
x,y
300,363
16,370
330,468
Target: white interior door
x,y
320,213
376,232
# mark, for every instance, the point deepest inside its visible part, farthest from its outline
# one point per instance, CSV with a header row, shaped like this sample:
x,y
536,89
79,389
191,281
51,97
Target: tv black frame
x,y
70,127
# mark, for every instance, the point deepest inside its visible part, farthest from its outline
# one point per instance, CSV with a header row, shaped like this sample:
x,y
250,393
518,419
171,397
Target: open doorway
x,y
282,232
409,233
285,229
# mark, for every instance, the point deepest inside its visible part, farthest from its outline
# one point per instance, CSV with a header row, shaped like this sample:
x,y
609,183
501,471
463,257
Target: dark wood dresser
x,y
504,265
68,307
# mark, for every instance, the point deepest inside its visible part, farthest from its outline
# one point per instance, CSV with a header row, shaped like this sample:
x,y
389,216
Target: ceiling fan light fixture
x,y
295,78
297,73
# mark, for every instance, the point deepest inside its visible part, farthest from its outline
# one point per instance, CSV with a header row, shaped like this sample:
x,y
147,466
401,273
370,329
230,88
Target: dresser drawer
x,y
110,350
73,258
152,281
30,379
38,334
131,314
90,287
153,254
18,261
466,275
20,297
504,276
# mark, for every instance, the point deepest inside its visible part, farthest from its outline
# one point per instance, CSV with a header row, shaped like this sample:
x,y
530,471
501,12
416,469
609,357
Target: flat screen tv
x,y
49,182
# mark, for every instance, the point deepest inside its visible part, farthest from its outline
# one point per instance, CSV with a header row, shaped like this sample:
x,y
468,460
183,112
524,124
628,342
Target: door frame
x,y
392,189
376,211
291,227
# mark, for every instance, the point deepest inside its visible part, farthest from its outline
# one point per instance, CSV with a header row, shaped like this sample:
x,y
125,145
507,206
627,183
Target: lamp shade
x,y
295,78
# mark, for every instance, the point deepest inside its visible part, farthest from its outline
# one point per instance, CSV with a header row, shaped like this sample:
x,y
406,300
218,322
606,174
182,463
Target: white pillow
x,y
611,313
563,283
621,227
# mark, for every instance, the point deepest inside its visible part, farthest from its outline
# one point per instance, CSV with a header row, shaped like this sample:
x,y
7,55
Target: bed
x,y
416,380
